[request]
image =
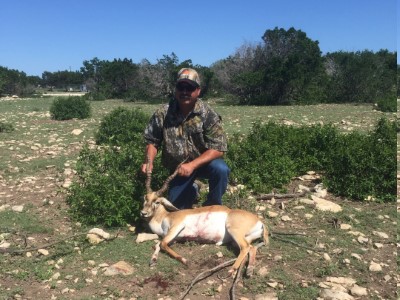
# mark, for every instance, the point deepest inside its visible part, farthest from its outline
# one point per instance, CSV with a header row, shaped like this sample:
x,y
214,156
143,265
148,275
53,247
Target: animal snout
x,y
143,214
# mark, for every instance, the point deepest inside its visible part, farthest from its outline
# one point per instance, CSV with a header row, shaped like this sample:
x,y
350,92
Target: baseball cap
x,y
188,75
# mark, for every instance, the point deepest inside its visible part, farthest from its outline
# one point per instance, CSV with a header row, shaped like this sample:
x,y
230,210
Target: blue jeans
x,y
182,193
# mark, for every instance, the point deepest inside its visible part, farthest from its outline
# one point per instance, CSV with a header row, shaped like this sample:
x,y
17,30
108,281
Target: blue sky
x,y
57,35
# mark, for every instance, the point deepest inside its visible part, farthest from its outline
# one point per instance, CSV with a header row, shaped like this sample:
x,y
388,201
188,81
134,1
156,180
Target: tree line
x,y
286,67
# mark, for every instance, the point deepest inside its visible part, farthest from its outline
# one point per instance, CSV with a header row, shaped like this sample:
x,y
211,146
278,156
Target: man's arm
x,y
207,156
151,152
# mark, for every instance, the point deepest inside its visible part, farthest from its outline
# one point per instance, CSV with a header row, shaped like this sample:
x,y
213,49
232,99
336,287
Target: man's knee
x,y
220,167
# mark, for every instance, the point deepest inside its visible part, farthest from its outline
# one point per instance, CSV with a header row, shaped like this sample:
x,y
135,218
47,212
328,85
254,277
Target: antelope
x,y
210,224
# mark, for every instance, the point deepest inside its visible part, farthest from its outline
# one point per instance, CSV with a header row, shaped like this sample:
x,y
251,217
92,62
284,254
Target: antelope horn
x,y
168,180
148,176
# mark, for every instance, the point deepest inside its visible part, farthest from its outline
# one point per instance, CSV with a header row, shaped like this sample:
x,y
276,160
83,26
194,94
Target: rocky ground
x,y
356,260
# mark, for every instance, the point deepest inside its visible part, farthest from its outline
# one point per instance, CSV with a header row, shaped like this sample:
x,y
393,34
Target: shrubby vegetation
x,y
354,165
110,186
6,127
67,108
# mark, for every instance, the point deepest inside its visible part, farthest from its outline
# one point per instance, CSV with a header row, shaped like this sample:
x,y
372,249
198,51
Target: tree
x,y
292,65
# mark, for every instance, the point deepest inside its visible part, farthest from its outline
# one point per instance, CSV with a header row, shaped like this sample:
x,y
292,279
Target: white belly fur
x,y
205,227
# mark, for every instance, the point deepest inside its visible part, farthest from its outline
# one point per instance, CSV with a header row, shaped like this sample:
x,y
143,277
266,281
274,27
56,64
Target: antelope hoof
x,y
152,262
183,260
232,272
250,271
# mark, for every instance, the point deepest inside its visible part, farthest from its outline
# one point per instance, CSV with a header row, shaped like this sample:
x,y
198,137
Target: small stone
x,y
345,226
143,237
362,240
76,131
378,245
17,208
327,257
286,218
380,234
272,214
356,256
120,267
358,291
43,252
374,267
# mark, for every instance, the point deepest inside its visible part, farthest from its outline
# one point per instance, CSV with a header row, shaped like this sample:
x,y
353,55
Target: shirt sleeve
x,y
214,135
153,133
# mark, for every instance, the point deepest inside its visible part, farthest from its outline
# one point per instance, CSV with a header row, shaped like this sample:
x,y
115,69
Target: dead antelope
x,y
209,224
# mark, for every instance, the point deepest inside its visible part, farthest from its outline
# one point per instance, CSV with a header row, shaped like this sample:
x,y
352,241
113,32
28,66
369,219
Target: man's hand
x,y
186,170
144,167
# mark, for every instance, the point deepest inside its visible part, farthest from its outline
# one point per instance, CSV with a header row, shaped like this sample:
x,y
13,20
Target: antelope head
x,y
153,201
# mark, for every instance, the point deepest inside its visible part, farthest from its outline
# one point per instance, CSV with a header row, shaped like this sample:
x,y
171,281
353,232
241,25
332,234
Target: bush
x,y
388,104
363,166
6,127
355,165
276,153
122,126
110,187
66,108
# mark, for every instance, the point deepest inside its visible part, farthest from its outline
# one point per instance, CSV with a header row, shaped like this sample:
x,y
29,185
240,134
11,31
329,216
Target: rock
x,y
272,214
378,245
94,239
120,267
358,291
143,237
17,208
286,219
5,245
266,296
100,232
380,234
4,207
263,271
327,294
76,131
356,256
362,239
325,205
374,267
345,226
327,257
43,252
347,281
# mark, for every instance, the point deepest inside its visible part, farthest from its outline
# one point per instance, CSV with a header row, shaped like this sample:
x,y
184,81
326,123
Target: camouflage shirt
x,y
182,137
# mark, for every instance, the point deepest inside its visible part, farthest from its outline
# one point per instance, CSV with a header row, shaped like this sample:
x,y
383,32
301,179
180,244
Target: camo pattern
x,y
182,137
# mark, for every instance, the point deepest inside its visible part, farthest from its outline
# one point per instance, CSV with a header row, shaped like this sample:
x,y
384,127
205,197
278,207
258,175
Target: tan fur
x,y
239,225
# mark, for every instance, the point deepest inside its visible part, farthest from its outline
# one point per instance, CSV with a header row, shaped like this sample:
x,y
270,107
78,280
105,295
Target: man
x,y
189,128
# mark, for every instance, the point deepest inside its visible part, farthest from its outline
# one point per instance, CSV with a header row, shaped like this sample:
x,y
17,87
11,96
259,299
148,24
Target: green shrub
x,y
365,165
354,165
6,127
122,126
110,187
275,153
66,108
388,104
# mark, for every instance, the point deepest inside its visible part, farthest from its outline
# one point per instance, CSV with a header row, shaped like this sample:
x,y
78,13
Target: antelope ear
x,y
168,205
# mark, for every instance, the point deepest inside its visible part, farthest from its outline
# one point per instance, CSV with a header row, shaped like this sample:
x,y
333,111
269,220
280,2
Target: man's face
x,y
186,93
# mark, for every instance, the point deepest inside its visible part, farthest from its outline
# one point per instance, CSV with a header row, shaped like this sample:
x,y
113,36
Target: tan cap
x,y
188,75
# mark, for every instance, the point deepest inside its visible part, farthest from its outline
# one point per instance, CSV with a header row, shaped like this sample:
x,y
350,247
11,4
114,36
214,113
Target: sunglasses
x,y
187,87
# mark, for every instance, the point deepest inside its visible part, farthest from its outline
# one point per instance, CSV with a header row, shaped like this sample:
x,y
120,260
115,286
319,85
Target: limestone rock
x,y
325,205
143,237
120,267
